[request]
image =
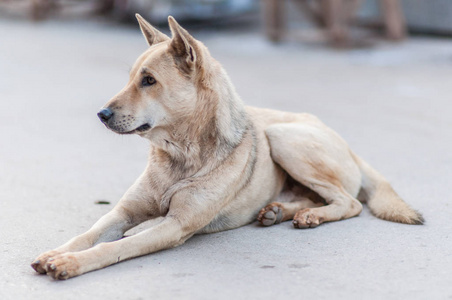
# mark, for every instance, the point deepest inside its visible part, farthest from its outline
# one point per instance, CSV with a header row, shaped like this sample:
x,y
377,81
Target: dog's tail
x,y
381,198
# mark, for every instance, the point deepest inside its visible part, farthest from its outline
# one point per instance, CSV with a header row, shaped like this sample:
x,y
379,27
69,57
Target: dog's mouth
x,y
140,129
143,128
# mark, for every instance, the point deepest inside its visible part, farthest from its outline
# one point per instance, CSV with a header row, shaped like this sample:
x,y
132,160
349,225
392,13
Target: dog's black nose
x,y
105,114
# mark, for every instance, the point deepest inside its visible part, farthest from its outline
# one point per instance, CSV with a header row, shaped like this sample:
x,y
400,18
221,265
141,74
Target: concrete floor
x,y
392,104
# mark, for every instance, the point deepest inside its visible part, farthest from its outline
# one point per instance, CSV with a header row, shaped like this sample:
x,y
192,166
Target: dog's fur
x,y
215,164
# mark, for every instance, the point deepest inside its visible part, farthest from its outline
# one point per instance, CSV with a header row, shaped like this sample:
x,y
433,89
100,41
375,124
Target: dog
x,y
215,164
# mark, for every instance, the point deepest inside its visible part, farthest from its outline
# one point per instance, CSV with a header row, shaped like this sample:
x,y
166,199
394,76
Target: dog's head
x,y
163,83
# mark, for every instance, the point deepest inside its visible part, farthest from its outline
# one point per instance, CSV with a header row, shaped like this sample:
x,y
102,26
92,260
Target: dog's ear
x,y
152,35
183,45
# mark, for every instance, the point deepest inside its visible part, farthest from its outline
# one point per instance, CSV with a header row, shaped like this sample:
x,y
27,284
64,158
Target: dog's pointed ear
x,y
152,35
182,43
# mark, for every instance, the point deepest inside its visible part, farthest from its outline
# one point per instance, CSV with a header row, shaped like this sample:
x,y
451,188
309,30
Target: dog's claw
x,y
36,265
63,276
52,267
41,263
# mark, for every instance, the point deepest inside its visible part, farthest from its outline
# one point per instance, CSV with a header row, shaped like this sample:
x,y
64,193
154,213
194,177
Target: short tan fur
x,y
215,164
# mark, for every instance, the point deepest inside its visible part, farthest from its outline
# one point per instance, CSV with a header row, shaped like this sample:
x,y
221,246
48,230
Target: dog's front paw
x,y
271,214
40,262
306,218
62,266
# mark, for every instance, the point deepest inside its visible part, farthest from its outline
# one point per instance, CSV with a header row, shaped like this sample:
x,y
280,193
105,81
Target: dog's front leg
x,y
131,210
166,234
185,217
109,228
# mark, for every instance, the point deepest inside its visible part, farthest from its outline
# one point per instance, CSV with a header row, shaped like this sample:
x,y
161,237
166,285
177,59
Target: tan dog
x,y
215,164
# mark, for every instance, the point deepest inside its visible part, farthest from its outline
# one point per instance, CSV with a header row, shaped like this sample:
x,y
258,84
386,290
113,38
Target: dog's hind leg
x,y
317,157
277,212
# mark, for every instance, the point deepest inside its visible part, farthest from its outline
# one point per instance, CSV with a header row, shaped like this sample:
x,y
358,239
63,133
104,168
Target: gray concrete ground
x,y
392,104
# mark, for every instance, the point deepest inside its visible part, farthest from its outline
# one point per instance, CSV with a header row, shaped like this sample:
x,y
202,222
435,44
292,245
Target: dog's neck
x,y
231,119
211,133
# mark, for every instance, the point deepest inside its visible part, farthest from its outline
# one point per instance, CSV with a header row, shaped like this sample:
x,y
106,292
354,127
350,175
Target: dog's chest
x,y
163,179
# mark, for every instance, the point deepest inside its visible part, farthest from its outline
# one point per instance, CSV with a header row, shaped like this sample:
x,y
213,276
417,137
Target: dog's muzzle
x,y
105,114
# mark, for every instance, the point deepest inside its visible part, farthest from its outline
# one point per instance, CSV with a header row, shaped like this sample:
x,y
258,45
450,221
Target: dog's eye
x,y
147,81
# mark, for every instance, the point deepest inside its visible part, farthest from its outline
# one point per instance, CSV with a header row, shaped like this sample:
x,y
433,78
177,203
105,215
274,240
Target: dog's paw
x,y
62,266
271,214
40,262
306,218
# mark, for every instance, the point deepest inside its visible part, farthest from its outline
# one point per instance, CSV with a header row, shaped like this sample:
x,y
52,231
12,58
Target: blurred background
x,y
377,71
338,19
